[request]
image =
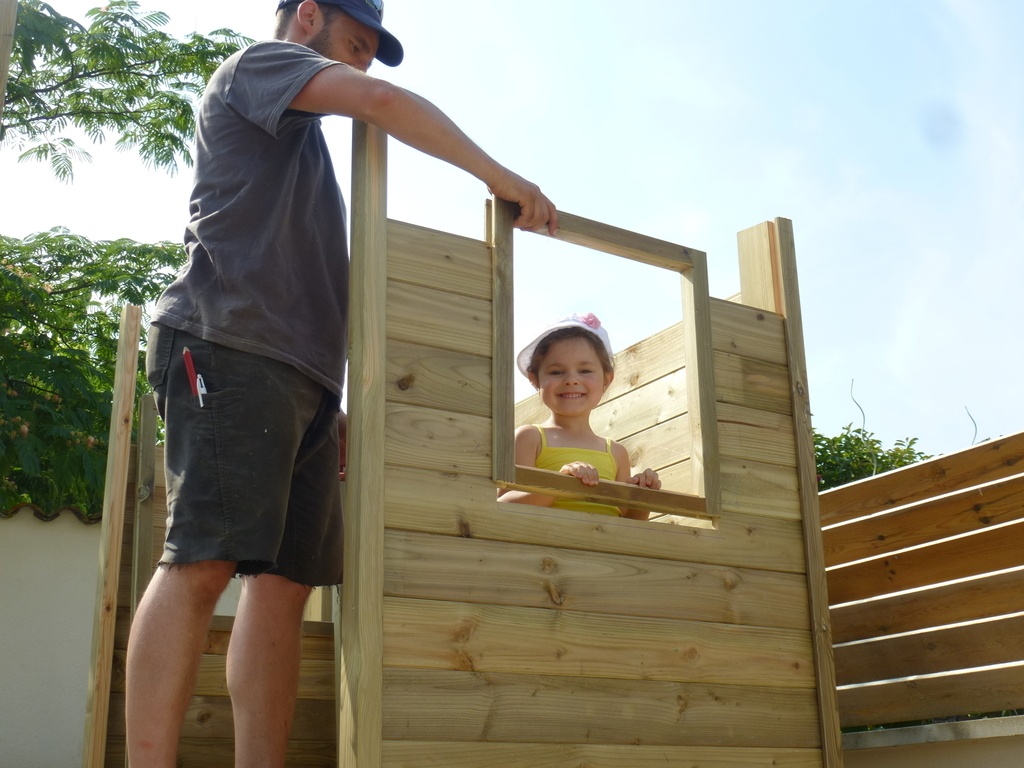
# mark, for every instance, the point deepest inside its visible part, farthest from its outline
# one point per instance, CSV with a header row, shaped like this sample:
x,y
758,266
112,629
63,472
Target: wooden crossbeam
x,y
607,492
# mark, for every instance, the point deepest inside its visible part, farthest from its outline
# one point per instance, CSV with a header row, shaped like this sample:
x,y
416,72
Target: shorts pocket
x,y
159,345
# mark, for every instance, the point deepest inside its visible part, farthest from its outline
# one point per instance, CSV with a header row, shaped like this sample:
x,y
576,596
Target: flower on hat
x,y
590,320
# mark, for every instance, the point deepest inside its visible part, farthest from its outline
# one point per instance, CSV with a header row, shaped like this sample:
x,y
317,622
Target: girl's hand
x,y
586,473
647,479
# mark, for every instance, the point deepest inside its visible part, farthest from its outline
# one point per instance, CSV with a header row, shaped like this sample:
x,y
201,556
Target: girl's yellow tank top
x,y
555,458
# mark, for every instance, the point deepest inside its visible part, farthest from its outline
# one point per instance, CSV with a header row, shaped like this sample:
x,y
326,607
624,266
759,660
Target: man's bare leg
x,y
164,649
263,668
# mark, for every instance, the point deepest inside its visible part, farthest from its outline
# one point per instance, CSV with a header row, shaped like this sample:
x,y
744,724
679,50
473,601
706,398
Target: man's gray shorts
x,y
252,474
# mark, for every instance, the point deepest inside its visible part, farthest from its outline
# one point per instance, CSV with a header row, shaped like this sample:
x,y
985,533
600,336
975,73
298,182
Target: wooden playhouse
x,y
473,633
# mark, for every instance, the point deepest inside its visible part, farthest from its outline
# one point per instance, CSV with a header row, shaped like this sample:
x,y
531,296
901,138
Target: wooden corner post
x,y
8,20
115,489
700,386
768,280
359,623
501,214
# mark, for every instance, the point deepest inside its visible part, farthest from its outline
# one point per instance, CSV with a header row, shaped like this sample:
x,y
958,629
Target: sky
x,y
890,133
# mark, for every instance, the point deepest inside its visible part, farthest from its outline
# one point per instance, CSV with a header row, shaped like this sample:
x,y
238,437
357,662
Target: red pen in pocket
x,y
195,380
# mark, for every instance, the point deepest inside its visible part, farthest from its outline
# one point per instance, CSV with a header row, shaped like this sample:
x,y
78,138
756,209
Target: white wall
x,y
48,588
47,601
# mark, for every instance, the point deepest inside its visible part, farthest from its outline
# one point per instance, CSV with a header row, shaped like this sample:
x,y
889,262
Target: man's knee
x,y
205,580
276,589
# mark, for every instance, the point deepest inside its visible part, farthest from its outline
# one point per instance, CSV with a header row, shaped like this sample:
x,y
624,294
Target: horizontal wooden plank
x,y
992,549
435,634
924,697
677,476
316,676
996,641
642,408
982,598
607,492
434,318
209,718
748,331
439,260
756,435
218,753
982,463
460,505
434,439
317,638
752,383
926,521
435,754
649,360
660,446
466,706
438,378
759,489
476,571
621,242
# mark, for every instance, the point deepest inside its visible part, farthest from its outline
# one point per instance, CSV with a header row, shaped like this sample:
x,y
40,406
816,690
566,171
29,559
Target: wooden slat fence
x,y
925,570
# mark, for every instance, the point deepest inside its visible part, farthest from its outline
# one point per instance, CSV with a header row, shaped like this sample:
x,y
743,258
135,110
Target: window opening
x,y
647,407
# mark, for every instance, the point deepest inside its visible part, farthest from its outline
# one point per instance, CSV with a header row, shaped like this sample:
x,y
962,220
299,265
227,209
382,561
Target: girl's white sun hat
x,y
587,322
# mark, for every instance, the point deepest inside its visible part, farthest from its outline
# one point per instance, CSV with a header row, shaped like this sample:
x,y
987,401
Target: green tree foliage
x,y
58,341
120,74
856,453
60,293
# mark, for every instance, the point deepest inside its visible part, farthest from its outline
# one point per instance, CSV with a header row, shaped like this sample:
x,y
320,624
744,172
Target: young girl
x,y
570,365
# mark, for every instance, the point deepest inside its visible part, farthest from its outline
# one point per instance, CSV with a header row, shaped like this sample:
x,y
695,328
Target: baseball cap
x,y
587,322
370,13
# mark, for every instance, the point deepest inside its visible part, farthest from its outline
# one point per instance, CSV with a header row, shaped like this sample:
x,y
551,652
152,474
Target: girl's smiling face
x,y
570,378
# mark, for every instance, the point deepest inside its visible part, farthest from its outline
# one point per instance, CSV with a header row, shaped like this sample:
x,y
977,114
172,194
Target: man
x,y
246,356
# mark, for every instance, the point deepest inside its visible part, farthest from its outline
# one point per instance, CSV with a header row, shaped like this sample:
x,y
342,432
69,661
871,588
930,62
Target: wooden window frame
x,y
705,503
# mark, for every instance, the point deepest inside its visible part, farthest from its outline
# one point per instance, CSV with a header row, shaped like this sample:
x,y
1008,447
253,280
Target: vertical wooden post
x,y
145,483
115,488
501,214
8,20
768,279
359,628
700,386
320,605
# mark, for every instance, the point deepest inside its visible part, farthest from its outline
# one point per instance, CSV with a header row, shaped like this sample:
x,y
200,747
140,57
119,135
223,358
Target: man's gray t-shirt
x,y
268,259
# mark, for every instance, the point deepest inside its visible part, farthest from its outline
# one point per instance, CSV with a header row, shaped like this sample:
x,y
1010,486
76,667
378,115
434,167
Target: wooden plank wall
x,y
525,636
207,736
926,580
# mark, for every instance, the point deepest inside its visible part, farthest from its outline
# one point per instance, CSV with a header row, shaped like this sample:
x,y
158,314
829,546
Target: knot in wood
x,y
554,595
463,631
406,382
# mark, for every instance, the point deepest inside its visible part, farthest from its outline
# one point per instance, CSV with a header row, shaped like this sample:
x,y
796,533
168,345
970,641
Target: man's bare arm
x,y
343,90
